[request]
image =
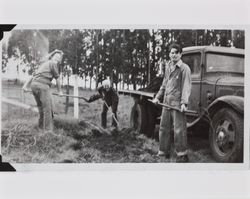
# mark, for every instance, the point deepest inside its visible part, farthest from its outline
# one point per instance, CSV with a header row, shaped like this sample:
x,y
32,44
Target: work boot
x,y
182,159
163,154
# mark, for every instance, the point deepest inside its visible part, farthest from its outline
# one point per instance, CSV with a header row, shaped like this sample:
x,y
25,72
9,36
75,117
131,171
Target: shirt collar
x,y
179,63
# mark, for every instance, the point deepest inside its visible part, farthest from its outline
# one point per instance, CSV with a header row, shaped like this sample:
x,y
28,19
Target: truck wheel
x,y
138,118
226,136
151,113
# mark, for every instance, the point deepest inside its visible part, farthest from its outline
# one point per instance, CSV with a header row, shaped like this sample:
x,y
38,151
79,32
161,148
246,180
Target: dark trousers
x,y
173,120
104,114
43,99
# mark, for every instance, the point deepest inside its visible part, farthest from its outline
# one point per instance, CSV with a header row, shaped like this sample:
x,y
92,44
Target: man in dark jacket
x,y
110,98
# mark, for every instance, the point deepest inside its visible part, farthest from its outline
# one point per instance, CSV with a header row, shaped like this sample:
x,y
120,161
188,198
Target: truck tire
x,y
226,136
138,118
151,114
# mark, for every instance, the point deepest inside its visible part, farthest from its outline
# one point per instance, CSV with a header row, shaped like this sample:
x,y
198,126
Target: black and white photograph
x,y
123,95
124,99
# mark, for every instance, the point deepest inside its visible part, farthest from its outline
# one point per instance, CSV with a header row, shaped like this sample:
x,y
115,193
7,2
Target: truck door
x,y
194,61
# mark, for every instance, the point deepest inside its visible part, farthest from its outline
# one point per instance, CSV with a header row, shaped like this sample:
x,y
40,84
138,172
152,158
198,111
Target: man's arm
x,y
186,85
161,91
55,73
95,97
58,85
26,86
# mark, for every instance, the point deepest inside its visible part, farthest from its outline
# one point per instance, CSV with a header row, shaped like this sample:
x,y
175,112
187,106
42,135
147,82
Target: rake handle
x,y
173,108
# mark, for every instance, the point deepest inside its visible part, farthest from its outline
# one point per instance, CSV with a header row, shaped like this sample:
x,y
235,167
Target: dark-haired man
x,y
175,89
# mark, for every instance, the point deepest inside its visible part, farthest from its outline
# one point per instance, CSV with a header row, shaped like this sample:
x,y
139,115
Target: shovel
x,y
74,96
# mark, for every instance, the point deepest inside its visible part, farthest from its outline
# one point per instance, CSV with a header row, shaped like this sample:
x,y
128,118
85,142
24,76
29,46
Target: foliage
x,y
4,58
125,56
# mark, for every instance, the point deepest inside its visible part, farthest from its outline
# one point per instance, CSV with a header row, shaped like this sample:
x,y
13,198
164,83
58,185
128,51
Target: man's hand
x,y
60,93
87,100
183,108
25,89
155,101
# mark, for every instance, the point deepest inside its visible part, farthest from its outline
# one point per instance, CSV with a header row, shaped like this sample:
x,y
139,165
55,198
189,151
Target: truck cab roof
x,y
216,49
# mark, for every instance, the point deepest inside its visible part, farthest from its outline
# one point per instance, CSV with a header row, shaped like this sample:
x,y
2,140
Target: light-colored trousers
x,y
43,99
172,120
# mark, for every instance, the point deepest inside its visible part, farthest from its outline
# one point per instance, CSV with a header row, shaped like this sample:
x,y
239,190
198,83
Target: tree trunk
x,y
148,59
85,80
76,100
134,86
67,98
123,83
120,85
90,83
127,86
152,65
97,58
196,38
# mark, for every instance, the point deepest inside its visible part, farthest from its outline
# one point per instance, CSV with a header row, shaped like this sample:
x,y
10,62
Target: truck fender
x,y
235,102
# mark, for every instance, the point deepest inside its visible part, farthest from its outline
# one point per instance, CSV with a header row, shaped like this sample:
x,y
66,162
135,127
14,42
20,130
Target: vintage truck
x,y
216,102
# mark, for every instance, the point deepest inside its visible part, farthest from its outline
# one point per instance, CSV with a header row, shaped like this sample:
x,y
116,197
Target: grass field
x,y
79,141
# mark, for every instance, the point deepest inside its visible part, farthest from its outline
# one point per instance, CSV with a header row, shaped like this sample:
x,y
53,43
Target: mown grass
x,y
79,141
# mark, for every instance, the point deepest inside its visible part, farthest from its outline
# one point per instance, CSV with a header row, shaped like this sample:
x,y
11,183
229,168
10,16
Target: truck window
x,y
224,63
194,62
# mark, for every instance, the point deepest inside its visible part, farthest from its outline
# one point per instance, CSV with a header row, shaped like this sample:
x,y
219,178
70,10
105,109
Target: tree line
x,y
126,56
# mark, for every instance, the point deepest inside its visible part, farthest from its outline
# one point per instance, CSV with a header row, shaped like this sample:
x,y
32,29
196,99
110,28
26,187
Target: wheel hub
x,y
222,136
225,136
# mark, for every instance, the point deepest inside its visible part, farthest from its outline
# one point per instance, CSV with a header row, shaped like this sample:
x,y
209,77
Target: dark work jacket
x,y
110,96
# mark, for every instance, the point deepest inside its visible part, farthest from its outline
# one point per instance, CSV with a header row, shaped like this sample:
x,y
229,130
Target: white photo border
x,y
151,166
